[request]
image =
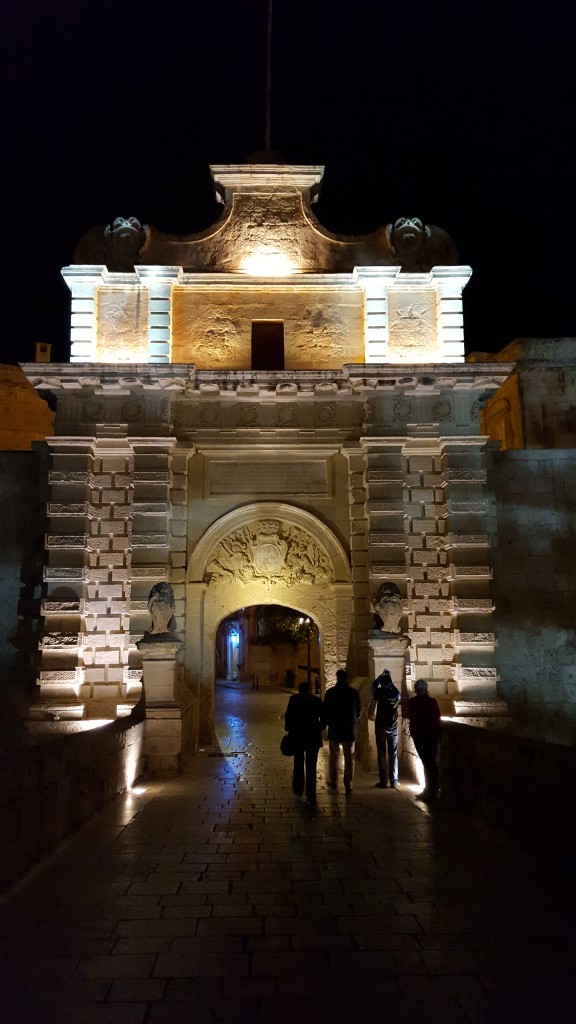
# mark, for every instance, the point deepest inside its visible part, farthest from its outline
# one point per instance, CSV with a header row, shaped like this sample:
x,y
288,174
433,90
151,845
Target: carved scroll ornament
x,y
269,550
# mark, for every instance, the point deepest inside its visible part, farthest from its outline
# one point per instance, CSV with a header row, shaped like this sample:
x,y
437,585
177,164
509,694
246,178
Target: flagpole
x,y
268,78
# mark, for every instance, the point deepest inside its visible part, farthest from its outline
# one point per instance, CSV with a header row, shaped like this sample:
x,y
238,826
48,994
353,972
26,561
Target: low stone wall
x,y
521,787
48,791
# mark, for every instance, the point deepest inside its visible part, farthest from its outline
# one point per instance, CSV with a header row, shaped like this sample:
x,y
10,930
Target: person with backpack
x,y
386,697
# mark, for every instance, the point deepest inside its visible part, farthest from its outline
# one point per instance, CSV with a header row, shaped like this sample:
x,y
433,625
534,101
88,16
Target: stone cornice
x,y
277,176
96,275
446,278
148,275
184,380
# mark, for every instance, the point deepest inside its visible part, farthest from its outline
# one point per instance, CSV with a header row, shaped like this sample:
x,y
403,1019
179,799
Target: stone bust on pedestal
x,y
161,606
167,738
387,604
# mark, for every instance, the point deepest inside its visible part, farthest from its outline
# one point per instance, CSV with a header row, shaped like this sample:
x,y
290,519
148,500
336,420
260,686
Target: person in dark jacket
x,y
424,715
387,699
304,720
341,712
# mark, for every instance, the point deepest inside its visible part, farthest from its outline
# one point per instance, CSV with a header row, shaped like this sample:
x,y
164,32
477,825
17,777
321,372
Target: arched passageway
x,y
268,644
261,554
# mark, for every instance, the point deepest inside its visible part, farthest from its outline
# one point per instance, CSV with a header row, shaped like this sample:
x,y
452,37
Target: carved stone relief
x,y
209,415
322,328
325,413
412,324
93,409
122,325
286,416
402,409
118,245
269,549
441,410
418,246
131,410
249,416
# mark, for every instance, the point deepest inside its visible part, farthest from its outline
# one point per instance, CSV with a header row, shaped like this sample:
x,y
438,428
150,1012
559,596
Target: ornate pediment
x,y
269,549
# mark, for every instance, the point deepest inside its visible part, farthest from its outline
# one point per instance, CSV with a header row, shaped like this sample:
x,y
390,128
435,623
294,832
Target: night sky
x,y
460,113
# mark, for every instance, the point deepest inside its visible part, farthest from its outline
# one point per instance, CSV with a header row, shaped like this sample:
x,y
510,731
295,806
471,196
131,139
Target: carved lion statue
x,y
118,245
418,247
161,606
387,603
125,238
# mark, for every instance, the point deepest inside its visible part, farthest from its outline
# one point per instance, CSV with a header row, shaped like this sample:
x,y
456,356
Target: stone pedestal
x,y
167,724
386,650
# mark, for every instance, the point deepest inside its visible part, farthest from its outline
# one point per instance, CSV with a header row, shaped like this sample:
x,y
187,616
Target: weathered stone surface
x,y
25,416
214,329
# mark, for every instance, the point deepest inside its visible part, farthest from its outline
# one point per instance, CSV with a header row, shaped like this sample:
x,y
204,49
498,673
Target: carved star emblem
x,y
409,313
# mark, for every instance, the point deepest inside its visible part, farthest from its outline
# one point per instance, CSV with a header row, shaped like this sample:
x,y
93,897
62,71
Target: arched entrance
x,y
265,553
229,648
268,645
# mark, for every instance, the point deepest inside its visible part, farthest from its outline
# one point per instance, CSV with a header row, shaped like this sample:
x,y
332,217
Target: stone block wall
x,y
535,407
535,588
22,510
429,509
88,578
48,791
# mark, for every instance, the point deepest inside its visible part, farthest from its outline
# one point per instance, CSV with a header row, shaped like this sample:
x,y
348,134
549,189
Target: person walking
x,y
424,716
387,698
341,712
304,720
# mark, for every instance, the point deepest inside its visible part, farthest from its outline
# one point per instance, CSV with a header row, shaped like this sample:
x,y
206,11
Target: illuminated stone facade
x,y
359,460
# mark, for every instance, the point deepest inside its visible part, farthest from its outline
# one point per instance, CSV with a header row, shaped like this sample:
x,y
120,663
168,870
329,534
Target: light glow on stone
x,y
131,767
266,262
420,773
86,725
120,355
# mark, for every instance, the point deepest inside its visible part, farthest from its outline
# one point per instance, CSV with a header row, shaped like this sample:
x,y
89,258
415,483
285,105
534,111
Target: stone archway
x,y
265,553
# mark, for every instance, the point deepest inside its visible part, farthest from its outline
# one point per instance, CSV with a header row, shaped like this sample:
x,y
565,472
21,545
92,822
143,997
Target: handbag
x,y
371,712
287,745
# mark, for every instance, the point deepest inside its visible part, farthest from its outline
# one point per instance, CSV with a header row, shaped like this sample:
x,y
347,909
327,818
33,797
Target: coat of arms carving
x,y
269,550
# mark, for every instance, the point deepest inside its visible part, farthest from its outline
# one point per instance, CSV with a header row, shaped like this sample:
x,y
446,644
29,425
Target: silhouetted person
x,y
387,699
341,712
304,720
424,715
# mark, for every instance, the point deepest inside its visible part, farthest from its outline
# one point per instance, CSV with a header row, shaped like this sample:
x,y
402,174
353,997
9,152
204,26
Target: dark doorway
x,y
267,345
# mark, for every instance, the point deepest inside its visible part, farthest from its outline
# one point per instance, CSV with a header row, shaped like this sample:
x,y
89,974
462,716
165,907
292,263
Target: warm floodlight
x,y
268,263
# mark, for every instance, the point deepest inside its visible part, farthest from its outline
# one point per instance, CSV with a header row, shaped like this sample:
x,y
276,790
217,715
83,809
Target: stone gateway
x,y
346,475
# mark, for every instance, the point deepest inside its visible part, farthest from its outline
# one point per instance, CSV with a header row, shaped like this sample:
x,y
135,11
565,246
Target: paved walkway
x,y
220,897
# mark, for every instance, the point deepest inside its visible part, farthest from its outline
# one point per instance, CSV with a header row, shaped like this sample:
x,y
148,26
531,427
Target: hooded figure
x,y
387,698
424,715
